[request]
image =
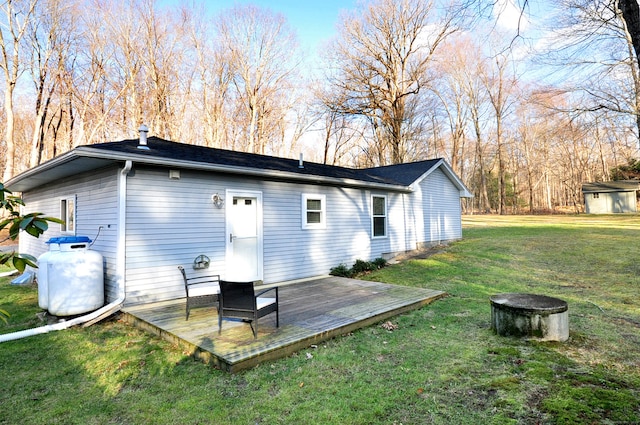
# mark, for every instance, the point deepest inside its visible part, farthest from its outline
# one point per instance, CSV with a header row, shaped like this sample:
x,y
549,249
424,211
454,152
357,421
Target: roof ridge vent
x,y
143,130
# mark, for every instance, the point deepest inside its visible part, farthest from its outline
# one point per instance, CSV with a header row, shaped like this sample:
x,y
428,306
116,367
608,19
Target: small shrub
x,y
341,270
360,267
379,263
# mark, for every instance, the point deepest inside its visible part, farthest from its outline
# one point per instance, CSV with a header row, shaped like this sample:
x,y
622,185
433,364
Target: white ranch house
x,y
152,205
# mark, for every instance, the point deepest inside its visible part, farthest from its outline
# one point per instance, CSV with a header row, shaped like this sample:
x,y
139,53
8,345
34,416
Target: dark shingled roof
x,y
402,174
164,153
611,186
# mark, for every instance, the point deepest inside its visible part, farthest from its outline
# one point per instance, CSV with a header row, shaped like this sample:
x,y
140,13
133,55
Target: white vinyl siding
x,y
437,210
160,236
611,202
95,196
170,222
291,252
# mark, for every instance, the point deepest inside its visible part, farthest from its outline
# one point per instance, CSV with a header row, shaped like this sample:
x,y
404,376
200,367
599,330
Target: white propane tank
x,y
43,282
75,278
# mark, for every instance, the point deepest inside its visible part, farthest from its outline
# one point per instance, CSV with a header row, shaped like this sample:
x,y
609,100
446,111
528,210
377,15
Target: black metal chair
x,y
202,291
238,300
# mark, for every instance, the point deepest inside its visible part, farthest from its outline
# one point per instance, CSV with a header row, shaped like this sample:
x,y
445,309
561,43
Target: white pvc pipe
x,y
107,309
115,306
11,273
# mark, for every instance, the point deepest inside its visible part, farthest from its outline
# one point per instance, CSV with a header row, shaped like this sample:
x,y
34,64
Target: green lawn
x,y
442,364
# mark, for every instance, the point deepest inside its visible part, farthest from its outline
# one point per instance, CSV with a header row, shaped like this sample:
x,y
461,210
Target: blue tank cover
x,y
73,239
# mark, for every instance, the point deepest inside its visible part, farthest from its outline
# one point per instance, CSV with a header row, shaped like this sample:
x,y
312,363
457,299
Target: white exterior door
x,y
244,236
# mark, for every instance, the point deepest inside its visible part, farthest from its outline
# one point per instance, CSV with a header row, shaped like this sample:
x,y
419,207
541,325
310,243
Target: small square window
x,y
596,195
68,215
313,211
379,216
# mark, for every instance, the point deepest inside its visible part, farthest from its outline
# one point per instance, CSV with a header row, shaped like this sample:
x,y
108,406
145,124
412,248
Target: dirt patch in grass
x,y
419,254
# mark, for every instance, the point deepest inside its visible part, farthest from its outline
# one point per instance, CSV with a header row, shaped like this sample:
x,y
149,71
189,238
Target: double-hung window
x,y
378,216
68,215
314,211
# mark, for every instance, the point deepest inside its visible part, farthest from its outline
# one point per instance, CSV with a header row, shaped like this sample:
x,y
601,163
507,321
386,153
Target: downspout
x,y
110,308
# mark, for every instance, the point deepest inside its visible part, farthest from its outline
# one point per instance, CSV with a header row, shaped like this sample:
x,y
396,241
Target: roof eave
x,y
89,152
30,176
448,171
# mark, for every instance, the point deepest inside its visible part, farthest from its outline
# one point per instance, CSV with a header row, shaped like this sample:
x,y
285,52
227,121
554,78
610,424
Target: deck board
x,y
310,312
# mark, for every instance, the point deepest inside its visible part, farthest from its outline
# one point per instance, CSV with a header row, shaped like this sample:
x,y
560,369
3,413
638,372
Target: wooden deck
x,y
310,312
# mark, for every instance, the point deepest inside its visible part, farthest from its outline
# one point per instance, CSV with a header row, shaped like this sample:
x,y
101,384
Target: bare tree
x,y
125,46
500,84
476,99
51,37
99,84
16,17
451,88
213,75
162,57
596,41
262,50
339,131
382,58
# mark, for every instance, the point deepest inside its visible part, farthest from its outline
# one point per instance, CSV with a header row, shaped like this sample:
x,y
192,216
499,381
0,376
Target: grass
x,y
442,365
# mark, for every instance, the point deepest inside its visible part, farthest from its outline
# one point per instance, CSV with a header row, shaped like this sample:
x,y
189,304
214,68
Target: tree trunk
x,y
9,163
630,11
631,15
37,139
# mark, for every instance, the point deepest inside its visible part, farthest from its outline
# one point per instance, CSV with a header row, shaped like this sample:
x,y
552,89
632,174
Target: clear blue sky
x,y
313,20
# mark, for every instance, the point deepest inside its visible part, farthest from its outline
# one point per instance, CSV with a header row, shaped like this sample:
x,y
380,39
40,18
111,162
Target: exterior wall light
x,y
217,200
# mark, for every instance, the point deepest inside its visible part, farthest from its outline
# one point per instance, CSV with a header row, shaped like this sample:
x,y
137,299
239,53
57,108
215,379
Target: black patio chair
x,y
238,300
202,291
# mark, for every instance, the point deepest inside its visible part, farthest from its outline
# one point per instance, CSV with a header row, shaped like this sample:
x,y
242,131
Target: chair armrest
x,y
267,290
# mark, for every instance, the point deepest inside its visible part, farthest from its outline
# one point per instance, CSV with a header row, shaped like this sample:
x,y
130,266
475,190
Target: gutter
x,y
52,163
109,309
86,151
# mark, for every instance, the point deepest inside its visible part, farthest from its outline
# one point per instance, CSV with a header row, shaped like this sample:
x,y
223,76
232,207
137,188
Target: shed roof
x,y
611,186
172,154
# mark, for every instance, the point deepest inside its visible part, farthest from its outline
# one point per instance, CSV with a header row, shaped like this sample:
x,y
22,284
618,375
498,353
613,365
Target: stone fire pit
x,y
529,315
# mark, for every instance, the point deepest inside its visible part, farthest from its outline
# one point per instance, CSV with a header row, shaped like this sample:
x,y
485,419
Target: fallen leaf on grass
x,y
389,326
122,364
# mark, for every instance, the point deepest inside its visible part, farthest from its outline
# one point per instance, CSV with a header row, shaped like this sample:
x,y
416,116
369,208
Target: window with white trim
x,y
378,216
314,211
68,215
